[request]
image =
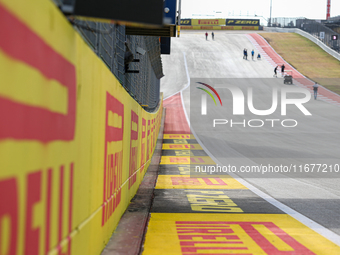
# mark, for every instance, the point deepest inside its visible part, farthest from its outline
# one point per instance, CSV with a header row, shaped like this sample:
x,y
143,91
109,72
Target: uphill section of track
x,y
274,59
315,140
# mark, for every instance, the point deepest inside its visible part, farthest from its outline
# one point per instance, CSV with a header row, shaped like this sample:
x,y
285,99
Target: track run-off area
x,y
284,212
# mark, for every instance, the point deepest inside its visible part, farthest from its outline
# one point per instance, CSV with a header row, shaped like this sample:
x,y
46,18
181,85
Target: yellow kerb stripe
x,y
173,146
178,136
183,160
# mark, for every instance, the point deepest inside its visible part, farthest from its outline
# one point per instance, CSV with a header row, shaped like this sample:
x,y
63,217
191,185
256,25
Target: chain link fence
x,y
134,60
317,28
148,64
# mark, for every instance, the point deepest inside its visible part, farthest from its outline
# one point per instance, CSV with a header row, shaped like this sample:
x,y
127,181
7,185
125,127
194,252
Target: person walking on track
x,y
212,35
245,54
275,71
206,35
258,56
283,70
315,88
252,54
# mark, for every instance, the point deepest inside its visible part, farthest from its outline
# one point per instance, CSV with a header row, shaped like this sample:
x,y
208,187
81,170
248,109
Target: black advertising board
x,y
185,22
242,22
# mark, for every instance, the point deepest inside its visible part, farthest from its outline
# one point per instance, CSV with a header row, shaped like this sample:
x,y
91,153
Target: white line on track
x,y
188,77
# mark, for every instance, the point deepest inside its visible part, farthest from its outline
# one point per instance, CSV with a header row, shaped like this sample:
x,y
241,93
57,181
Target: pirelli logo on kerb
x,y
242,22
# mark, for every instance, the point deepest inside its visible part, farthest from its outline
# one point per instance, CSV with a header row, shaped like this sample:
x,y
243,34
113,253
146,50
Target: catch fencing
x,y
285,22
317,28
134,60
320,31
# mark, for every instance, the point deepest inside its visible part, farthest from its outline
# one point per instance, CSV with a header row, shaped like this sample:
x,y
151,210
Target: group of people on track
x,y
212,35
315,86
245,54
282,70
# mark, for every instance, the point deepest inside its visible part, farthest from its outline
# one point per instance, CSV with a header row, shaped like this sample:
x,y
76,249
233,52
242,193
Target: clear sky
x,y
312,9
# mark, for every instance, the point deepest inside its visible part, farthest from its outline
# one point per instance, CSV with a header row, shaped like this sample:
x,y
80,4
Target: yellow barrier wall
x,y
207,22
220,27
74,146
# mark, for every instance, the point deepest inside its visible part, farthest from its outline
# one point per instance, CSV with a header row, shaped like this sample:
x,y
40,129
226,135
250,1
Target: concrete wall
x,y
74,146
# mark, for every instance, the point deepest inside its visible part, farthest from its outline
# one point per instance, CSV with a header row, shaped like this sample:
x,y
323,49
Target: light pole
x,y
179,18
270,17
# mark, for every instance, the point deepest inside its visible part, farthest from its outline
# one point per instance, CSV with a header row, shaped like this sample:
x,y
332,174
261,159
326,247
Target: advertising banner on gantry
x,y
242,22
208,22
185,22
74,146
221,27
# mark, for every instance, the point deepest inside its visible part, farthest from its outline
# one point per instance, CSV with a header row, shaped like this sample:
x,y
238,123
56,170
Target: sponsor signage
x,y
185,22
47,184
242,22
208,22
222,27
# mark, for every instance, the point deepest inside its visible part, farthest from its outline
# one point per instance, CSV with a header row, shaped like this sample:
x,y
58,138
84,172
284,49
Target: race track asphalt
x,y
315,140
